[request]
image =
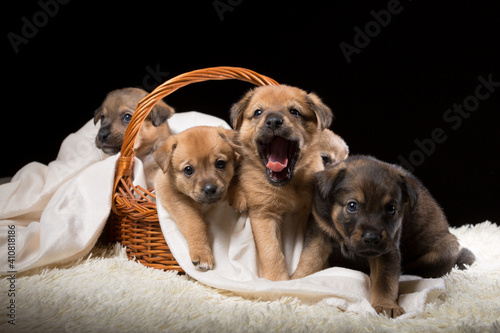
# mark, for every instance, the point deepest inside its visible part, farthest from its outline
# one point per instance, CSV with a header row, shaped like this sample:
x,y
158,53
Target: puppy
x,y
378,218
332,148
115,114
198,165
278,129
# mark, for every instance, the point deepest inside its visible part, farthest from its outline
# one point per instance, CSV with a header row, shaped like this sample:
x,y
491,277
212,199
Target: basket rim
x,y
126,159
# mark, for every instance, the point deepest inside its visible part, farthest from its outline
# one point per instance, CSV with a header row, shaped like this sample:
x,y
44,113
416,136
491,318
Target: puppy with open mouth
x,y
198,165
115,114
278,131
378,218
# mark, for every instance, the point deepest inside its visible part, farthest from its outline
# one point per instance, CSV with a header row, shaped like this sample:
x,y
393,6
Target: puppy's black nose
x,y
371,238
209,190
103,134
274,122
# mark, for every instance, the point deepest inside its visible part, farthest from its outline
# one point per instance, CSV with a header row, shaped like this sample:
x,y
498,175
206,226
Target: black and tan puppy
x,y
278,129
198,165
378,218
115,114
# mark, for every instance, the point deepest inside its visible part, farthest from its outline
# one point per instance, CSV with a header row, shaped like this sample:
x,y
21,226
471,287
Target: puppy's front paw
x,y
238,201
390,310
203,260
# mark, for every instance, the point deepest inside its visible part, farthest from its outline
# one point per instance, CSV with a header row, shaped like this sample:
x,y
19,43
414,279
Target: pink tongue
x,y
276,166
278,159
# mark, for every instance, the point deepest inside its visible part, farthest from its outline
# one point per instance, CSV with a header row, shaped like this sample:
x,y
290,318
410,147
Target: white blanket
x,y
58,211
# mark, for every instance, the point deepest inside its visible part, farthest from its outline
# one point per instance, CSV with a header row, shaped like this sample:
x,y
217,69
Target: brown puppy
x,y
198,165
378,218
278,130
332,148
115,114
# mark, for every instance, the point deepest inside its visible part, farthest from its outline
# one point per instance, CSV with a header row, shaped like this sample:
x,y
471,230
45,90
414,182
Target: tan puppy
x,y
198,165
278,130
115,114
332,148
378,218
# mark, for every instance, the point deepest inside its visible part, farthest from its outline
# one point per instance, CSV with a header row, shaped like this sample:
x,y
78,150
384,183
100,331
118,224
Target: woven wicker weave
x,y
134,218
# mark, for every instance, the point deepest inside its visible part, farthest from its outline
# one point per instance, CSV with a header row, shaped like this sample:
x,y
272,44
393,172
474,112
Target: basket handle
x,y
125,162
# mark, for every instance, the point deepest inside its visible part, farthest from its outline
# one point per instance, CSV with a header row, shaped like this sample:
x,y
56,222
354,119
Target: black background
x,y
395,90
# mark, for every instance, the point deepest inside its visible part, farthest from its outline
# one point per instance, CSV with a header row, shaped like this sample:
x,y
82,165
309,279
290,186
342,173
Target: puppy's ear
x,y
409,189
326,181
163,155
238,108
230,136
97,114
160,113
323,112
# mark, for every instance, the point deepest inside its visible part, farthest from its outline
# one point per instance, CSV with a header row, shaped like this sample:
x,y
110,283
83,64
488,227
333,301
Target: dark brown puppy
x,y
378,218
198,165
278,129
115,114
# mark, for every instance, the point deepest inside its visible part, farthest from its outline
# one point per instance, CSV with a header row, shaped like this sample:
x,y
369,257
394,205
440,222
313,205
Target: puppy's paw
x,y
203,261
390,310
238,201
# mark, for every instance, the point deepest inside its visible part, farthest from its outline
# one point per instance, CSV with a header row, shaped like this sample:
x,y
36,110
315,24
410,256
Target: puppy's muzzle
x,y
210,193
371,244
105,141
278,152
274,122
103,135
371,238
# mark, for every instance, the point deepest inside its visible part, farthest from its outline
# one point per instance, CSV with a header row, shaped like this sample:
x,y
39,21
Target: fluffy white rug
x,y
105,292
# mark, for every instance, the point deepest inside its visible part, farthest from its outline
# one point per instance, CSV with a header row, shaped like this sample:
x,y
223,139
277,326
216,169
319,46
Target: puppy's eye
x,y
295,112
352,207
102,118
220,164
257,113
390,209
126,117
188,171
326,160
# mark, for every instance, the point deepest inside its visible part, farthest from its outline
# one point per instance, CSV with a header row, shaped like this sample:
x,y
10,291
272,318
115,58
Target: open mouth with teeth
x,y
279,155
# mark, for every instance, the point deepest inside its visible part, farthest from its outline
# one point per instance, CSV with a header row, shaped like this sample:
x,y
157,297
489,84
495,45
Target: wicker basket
x,y
134,219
